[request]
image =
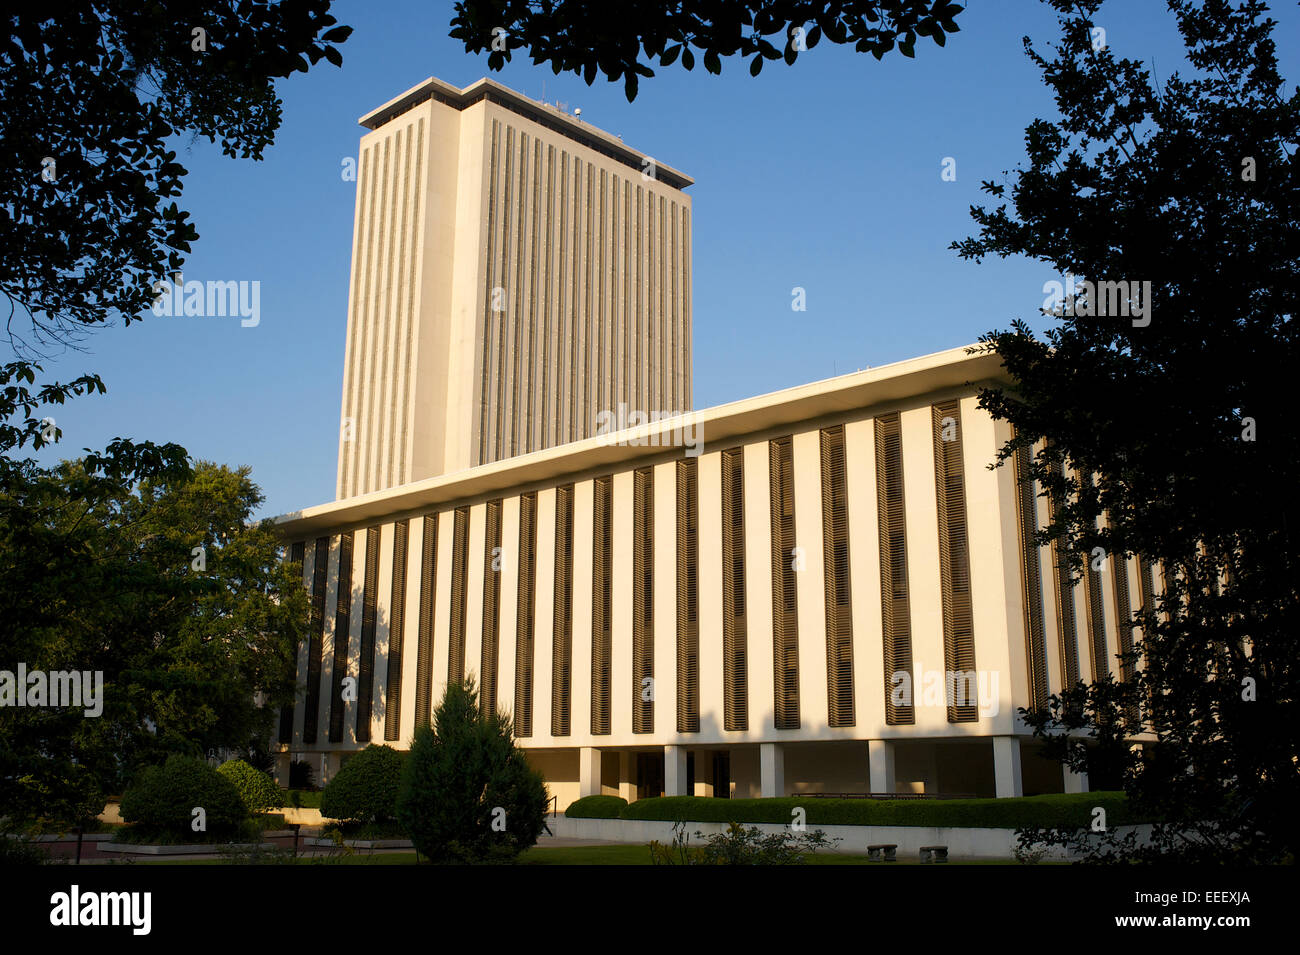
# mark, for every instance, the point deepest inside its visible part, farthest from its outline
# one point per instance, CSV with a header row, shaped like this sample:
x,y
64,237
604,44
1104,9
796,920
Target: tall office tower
x,y
515,272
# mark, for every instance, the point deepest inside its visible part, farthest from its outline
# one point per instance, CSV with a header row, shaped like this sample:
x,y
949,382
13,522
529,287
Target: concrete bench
x,y
889,848
934,854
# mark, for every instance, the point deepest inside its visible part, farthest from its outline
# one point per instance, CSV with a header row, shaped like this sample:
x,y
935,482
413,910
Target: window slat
x,y
896,623
839,601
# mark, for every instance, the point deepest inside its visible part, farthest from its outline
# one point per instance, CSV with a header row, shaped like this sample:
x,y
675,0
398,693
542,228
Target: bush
x,y
468,795
301,776
740,846
304,798
257,790
596,807
1073,809
164,797
16,850
365,789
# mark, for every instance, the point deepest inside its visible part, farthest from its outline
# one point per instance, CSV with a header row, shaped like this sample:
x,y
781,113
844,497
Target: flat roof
x,y
544,113
716,427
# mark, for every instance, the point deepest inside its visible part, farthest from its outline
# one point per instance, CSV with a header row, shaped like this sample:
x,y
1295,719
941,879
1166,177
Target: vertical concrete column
x,y
880,756
1006,767
772,769
675,771
627,775
588,771
282,761
703,773
1074,782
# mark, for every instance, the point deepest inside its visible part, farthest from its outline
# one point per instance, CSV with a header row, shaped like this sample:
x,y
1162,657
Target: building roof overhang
x,y
545,113
715,427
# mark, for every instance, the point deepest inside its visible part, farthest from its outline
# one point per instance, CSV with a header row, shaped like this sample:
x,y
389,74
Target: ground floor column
x,y
772,769
1006,767
1074,782
880,756
282,764
675,771
588,771
627,775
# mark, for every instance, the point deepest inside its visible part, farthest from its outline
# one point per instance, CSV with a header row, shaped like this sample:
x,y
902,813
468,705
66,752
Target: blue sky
x,y
824,175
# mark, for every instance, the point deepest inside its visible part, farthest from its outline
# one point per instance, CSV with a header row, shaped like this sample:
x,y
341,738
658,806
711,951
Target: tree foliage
x,y
95,95
584,37
468,794
1184,418
164,586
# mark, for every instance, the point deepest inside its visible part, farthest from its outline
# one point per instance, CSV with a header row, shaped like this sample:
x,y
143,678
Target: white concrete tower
x,y
514,273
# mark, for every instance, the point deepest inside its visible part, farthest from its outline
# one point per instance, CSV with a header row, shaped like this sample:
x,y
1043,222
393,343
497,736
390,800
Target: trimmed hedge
x,y
365,789
163,797
307,798
596,807
1072,809
257,789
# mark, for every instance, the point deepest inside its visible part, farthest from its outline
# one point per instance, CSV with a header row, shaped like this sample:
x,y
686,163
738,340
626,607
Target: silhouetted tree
x,y
1175,416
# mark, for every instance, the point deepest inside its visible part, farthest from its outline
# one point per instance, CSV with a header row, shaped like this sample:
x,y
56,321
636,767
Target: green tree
x,y
468,794
586,36
163,586
93,96
1182,413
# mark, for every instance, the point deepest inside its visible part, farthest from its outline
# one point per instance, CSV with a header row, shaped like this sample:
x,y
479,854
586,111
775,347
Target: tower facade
x,y
515,273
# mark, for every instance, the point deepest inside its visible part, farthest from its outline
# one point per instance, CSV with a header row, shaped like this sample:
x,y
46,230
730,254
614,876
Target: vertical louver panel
x,y
839,602
342,625
954,564
396,635
297,552
562,653
491,608
735,672
459,585
688,597
643,600
1066,616
316,646
1123,614
896,619
366,665
1147,581
785,603
601,608
1031,581
424,648
525,621
1096,619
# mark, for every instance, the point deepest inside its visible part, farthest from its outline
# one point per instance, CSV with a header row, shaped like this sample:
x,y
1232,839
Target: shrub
x,y
15,849
257,790
740,846
164,797
304,798
365,789
1073,809
300,775
596,807
468,795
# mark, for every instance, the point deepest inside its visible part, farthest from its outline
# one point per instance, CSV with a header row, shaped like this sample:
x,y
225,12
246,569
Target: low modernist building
x,y
826,589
